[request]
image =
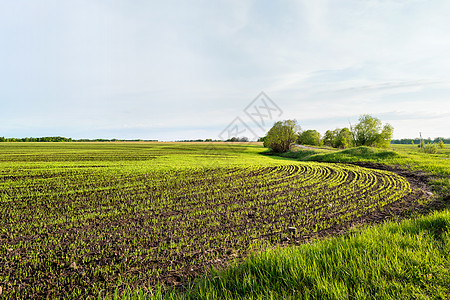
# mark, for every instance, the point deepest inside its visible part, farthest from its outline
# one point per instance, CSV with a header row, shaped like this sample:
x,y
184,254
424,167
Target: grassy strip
x,y
406,260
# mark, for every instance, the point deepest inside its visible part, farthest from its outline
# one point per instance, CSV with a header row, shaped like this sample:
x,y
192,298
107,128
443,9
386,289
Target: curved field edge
x,y
414,261
70,232
405,260
92,233
138,163
437,166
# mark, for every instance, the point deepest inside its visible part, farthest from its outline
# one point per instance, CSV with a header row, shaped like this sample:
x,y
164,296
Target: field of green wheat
x,y
90,219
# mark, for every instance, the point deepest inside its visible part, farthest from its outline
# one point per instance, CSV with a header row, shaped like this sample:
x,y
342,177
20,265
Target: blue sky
x,y
173,70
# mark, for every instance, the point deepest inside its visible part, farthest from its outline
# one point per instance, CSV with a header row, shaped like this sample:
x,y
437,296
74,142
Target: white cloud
x,y
89,68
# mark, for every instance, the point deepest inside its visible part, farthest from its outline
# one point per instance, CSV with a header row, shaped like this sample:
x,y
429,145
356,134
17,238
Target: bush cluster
x,y
368,132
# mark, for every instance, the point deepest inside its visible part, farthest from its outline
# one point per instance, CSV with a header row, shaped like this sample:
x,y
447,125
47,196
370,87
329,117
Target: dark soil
x,y
106,240
421,202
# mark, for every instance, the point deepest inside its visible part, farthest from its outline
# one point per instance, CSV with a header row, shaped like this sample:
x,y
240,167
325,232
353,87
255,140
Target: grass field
x,y
406,260
87,219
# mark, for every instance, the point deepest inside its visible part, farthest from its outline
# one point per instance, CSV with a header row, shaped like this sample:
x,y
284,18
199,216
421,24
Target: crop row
x,y
74,232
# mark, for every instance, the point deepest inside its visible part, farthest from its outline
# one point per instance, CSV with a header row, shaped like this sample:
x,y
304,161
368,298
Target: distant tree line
x,y
233,139
41,139
237,139
64,139
416,141
113,140
198,140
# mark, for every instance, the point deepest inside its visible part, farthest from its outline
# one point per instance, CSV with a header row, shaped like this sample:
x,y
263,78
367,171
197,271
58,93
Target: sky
x,y
175,70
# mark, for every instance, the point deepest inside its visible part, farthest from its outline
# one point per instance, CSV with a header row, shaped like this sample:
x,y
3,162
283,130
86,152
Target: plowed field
x,y
73,231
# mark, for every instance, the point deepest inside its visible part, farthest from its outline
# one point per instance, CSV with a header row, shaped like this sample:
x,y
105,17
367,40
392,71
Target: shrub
x,y
282,135
310,137
370,132
430,148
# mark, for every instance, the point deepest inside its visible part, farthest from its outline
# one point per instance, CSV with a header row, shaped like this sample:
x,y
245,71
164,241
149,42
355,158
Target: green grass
x,y
406,260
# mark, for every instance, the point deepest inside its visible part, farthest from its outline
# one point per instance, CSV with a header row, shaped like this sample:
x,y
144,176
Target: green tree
x,y
344,138
282,135
338,138
384,138
345,143
370,132
310,137
329,138
441,144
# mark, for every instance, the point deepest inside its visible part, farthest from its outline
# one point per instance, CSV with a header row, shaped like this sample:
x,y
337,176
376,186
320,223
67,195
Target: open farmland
x,y
80,218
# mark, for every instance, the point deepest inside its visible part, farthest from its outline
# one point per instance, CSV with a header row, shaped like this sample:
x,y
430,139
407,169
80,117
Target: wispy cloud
x,y
389,86
93,68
